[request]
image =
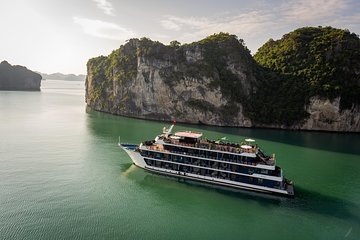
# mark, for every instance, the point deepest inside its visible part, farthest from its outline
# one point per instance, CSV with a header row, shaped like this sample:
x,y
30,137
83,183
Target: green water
x,y
62,176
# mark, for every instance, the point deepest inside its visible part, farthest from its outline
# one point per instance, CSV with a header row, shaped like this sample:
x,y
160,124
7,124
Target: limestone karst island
x,y
191,120
18,78
309,79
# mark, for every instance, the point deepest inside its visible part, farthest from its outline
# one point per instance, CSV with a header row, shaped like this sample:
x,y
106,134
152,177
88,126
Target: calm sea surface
x,y
62,176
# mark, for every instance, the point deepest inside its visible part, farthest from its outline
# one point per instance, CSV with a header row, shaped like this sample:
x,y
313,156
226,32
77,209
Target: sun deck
x,y
213,145
244,148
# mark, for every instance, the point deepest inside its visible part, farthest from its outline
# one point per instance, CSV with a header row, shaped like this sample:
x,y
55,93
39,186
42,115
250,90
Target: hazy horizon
x,y
60,36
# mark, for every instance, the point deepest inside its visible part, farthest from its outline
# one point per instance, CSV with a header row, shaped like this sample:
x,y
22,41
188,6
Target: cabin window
x,y
269,183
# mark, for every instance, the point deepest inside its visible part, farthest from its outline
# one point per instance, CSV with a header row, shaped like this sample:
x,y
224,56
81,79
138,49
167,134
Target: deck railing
x,y
160,148
203,144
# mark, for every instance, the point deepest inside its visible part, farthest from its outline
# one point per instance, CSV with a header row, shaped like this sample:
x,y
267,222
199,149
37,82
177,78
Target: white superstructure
x,y
185,154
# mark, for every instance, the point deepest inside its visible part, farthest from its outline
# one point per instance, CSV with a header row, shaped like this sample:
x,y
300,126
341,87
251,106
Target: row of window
x,y
211,154
209,164
213,173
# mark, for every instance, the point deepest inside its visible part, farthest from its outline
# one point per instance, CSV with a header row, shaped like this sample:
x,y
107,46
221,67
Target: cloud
x,y
311,10
105,6
291,12
247,23
177,23
268,17
101,29
170,24
252,25
350,22
268,20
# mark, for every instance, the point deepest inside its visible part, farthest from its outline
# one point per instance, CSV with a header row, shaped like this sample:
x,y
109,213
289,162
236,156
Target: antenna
x,y
170,129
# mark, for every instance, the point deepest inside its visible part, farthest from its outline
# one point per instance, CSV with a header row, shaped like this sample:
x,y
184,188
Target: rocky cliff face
x,y
18,78
214,81
163,82
327,115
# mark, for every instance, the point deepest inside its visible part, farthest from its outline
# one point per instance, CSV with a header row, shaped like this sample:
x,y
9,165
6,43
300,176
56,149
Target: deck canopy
x,y
175,137
189,134
249,140
246,147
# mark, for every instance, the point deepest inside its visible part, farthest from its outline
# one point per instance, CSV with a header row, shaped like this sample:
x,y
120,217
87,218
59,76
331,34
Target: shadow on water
x,y
113,126
305,200
319,203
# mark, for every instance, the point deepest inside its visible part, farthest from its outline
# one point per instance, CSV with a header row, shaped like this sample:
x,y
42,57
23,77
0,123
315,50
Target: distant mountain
x,y
18,78
61,76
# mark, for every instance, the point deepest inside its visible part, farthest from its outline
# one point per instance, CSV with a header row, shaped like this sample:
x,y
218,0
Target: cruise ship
x,y
188,155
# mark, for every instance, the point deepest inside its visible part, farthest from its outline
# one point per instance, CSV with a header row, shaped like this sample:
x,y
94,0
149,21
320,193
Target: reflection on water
x,y
63,87
319,203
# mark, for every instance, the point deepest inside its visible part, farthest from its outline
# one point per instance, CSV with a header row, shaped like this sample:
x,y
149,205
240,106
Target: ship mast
x,y
167,132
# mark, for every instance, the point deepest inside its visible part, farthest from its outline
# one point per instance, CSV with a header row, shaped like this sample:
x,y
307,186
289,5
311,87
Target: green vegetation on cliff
x,y
223,49
219,60
279,99
325,60
120,66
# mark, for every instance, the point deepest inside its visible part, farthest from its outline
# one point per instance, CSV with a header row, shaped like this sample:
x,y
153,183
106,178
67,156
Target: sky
x,y
61,35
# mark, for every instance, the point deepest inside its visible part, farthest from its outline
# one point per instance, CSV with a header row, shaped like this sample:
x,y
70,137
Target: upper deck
x,y
194,140
218,146
212,150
